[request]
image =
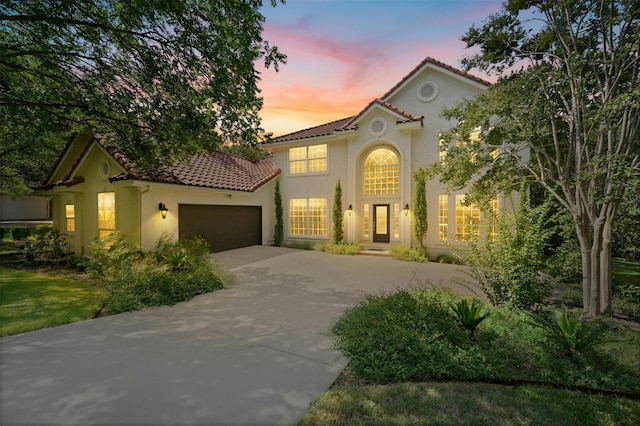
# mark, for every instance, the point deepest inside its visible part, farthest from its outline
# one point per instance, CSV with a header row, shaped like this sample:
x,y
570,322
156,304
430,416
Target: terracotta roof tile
x,y
321,130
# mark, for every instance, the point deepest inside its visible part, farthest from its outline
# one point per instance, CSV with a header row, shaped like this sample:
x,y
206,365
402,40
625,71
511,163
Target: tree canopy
x,y
167,79
565,114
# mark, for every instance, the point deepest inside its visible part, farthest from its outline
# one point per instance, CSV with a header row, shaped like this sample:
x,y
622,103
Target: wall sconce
x,y
350,209
406,209
163,210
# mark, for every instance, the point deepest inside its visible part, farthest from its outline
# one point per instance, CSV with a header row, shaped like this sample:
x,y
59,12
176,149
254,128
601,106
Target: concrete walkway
x,y
257,353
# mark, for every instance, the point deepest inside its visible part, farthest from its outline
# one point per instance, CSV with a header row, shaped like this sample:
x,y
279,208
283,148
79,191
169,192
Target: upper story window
x,y
106,213
382,173
308,159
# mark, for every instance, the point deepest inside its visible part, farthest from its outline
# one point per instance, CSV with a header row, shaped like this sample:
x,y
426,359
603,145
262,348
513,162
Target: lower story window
x,y
443,217
365,219
106,213
70,217
308,217
467,220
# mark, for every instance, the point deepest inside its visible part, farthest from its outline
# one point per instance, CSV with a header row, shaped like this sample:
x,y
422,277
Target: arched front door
x,y
381,194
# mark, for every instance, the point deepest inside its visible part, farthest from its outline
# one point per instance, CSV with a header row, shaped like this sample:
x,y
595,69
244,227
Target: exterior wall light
x,y
350,209
406,209
163,210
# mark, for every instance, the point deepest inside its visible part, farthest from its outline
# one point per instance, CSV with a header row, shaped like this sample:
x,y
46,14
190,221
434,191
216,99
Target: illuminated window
x,y
467,220
382,173
396,220
308,159
365,217
106,213
443,217
70,216
308,217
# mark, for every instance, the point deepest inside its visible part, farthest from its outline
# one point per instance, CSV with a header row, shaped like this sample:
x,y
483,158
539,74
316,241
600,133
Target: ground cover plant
x,y
175,271
31,301
413,335
410,254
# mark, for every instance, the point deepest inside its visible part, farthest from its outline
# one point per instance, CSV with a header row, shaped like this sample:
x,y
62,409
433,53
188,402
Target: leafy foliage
x,y
421,224
469,313
410,254
569,332
567,116
165,79
625,241
411,335
342,248
175,272
20,232
50,246
278,233
338,234
509,269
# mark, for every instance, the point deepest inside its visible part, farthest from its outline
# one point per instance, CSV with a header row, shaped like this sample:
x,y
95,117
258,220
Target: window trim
x,y
70,218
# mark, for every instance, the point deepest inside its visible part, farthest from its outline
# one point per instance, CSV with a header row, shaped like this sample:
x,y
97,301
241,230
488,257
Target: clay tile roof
x,y
429,60
321,130
406,116
213,170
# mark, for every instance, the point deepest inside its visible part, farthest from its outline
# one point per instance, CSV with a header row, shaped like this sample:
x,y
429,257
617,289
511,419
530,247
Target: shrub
x,y
3,231
20,232
174,272
449,258
508,270
568,332
342,248
469,313
338,233
78,263
278,232
410,254
50,246
301,245
627,308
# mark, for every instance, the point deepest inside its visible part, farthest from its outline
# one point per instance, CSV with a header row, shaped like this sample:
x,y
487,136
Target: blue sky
x,y
344,53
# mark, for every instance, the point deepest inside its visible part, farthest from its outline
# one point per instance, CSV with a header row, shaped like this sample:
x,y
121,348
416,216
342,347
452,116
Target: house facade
x,y
374,155
224,199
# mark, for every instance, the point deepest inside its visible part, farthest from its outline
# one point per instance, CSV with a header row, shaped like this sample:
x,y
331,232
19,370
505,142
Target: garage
x,y
223,227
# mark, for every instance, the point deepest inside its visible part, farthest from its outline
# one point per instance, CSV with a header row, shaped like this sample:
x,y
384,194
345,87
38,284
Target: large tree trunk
x,y
595,245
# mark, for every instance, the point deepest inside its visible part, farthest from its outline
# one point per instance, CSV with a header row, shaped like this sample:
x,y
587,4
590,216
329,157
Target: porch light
x,y
406,209
163,210
350,209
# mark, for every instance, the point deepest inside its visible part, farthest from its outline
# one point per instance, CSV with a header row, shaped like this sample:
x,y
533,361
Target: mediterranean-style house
x,y
229,201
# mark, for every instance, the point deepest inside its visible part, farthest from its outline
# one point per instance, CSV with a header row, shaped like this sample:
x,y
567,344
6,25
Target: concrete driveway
x,y
257,353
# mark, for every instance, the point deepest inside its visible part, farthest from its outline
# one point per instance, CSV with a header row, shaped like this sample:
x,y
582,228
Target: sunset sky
x,y
344,53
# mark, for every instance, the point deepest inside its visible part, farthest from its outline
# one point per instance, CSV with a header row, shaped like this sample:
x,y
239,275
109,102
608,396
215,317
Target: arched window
x,y
381,173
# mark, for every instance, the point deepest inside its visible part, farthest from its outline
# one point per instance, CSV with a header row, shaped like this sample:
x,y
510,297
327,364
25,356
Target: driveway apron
x,y
257,353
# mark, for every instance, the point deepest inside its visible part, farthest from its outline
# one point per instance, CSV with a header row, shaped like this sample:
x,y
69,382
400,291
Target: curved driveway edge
x,y
257,353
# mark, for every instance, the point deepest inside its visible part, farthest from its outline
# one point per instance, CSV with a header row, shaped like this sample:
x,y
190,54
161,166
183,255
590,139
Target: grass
x,y
626,270
467,403
31,301
410,363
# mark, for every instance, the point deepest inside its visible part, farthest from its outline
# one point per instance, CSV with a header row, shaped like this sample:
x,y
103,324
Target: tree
x,y
567,116
338,234
167,79
278,233
421,224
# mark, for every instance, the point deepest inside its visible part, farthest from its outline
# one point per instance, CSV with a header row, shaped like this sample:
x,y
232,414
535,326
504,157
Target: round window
x,y
378,126
427,91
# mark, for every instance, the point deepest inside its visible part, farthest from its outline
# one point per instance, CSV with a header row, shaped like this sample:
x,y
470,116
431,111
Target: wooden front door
x,y
381,223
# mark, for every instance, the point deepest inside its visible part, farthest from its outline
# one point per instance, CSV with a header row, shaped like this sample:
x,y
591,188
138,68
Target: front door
x,y
381,223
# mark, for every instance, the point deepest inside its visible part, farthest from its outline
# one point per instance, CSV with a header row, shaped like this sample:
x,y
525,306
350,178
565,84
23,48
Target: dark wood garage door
x,y
223,227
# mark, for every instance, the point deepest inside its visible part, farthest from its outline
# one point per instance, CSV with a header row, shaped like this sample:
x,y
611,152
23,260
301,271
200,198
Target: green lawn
x,y
31,301
467,403
626,270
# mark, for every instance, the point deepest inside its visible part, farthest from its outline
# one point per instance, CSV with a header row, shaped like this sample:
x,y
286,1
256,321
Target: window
x,y
308,217
382,173
467,220
443,217
70,216
396,220
106,213
308,159
365,217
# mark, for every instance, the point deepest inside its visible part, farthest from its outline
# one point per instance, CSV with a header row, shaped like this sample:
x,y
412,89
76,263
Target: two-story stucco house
x,y
230,201
374,155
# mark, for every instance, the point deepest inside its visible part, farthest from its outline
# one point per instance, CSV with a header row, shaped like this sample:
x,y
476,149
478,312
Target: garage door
x,y
223,227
